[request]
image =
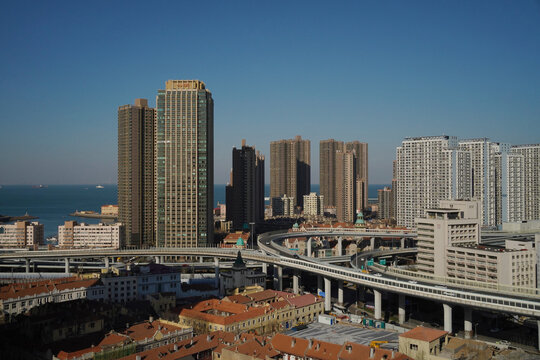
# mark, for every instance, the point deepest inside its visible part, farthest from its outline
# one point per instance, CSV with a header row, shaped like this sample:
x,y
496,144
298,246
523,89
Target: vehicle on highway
x,y
503,342
378,275
412,282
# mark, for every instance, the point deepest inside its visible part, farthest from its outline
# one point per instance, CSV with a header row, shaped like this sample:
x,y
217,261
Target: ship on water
x,y
100,187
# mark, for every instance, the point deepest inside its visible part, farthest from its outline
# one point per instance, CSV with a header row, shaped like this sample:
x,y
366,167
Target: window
x,y
413,346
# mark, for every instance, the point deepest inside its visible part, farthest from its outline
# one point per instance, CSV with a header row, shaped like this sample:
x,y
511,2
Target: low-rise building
x,y
513,264
109,210
141,281
240,277
74,235
238,240
20,297
21,234
136,338
421,343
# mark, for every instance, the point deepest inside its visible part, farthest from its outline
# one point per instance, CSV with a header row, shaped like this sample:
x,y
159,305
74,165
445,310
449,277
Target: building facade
x,y
21,234
345,179
245,192
313,204
184,164
440,229
385,201
282,206
330,169
136,173
74,235
428,169
531,173
290,169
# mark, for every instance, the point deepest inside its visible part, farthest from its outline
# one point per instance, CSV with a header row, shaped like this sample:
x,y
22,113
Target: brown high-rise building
x,y
361,157
245,192
345,185
136,173
184,164
327,169
290,169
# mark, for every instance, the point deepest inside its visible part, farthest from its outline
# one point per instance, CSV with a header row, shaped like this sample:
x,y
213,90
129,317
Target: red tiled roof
x,y
235,312
196,345
304,300
424,334
240,299
44,286
290,345
323,350
147,330
256,348
354,351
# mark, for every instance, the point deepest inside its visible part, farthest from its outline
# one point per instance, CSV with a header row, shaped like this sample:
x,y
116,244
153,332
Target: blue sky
x,y
370,71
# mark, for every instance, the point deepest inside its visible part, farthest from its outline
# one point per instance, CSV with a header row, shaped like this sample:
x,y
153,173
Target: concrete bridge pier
x,y
340,292
378,304
308,250
216,270
265,268
319,284
538,326
467,327
401,309
340,246
66,265
447,318
372,243
157,259
201,259
27,265
106,262
402,245
327,294
278,278
296,282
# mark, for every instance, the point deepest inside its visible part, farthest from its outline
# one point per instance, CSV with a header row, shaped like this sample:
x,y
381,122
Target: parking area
x,y
339,334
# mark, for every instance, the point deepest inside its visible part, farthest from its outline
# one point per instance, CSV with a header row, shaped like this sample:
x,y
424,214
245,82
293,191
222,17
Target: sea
x,y
52,204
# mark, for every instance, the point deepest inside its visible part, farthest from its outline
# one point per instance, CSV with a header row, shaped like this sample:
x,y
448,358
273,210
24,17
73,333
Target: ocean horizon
x,y
52,204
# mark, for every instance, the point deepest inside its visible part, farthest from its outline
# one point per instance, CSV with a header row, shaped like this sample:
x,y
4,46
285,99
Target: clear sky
x,y
374,71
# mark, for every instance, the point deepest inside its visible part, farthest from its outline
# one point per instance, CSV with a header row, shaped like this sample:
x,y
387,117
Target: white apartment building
x,y
428,169
21,234
136,284
512,265
504,179
531,172
313,204
442,228
74,235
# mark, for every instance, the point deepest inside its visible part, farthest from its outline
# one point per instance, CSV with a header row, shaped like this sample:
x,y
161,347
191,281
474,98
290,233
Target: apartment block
x,y
513,264
345,186
385,202
531,173
282,206
75,235
21,234
290,169
427,170
184,167
136,173
440,229
313,204
245,191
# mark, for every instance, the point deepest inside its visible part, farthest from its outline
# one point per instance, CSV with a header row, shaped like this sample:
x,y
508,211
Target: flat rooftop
x,y
340,334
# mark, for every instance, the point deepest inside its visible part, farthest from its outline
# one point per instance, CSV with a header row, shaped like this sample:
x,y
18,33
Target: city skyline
x,y
372,72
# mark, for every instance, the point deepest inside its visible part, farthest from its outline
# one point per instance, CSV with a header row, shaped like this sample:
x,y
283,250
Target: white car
x,y
413,282
377,275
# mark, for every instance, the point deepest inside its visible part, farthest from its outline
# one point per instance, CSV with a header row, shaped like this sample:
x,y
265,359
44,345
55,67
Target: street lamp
x,y
252,224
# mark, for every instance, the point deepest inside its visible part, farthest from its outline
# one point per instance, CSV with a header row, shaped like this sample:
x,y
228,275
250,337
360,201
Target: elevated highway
x,y
450,295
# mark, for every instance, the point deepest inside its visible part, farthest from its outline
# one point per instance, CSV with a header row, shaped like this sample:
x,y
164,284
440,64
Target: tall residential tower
x,y
136,173
290,169
184,164
245,192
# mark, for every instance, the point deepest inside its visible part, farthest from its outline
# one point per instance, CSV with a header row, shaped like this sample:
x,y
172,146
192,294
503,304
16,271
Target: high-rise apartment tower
x,y
184,164
245,192
290,169
136,173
